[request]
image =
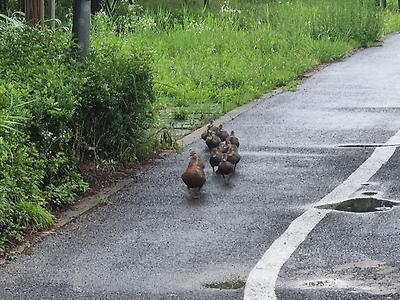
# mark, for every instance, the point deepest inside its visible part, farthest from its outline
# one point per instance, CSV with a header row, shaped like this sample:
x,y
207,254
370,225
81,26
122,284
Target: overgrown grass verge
x,y
208,62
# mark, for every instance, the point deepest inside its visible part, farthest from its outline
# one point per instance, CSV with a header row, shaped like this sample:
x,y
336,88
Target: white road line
x,y
261,282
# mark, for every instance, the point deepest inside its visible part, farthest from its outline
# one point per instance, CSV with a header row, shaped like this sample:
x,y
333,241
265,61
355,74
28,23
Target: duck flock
x,y
224,155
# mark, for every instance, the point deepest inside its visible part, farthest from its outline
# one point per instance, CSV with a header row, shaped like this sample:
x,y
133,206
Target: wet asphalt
x,y
155,242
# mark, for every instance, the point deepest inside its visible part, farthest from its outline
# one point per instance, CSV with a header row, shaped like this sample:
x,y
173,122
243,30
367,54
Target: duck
x,y
233,157
213,128
213,141
233,139
206,133
229,146
222,133
195,156
209,129
225,167
194,176
215,157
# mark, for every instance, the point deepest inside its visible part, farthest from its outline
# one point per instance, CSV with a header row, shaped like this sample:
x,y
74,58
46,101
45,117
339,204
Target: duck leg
x,y
226,179
197,195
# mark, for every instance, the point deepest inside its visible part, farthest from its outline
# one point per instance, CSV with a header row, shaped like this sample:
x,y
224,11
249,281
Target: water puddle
x,y
362,205
370,193
226,285
367,145
379,286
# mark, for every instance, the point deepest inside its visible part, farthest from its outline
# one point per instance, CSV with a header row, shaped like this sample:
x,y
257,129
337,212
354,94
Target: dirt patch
x,y
101,177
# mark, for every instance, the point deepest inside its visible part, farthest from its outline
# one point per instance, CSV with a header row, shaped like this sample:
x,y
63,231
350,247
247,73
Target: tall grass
x,y
213,60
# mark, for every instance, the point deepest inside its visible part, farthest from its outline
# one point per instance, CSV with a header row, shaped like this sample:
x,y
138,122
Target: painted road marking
x,y
261,282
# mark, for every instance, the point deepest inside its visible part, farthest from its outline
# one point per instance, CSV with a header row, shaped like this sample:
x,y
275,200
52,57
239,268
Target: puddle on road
x,y
370,193
366,145
226,285
383,286
362,205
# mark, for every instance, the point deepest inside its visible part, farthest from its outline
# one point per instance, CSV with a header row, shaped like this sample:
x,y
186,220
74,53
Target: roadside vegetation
x,y
206,62
58,113
150,68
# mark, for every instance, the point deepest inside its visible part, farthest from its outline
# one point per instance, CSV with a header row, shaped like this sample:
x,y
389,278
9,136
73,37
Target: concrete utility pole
x,y
81,26
34,12
53,13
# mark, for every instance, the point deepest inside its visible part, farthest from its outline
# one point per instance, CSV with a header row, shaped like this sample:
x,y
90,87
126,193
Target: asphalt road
x,y
155,242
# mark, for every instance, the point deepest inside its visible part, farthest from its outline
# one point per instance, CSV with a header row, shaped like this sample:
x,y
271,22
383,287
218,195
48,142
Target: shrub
x,y
116,100
56,112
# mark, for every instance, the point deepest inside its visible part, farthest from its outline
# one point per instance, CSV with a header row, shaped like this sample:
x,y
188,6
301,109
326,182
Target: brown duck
x,y
229,147
233,139
233,157
225,168
206,133
199,162
222,133
213,141
210,128
215,158
213,128
194,176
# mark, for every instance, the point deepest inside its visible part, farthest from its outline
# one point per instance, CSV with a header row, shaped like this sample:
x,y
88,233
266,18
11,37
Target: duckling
x,y
213,141
225,167
225,147
215,158
222,133
229,146
233,139
233,157
213,128
206,133
194,176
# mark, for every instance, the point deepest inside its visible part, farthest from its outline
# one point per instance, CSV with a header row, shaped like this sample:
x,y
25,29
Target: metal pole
x,y
53,13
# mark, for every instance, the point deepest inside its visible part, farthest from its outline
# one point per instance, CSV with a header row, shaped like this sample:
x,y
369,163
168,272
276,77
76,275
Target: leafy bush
x,y
56,112
116,100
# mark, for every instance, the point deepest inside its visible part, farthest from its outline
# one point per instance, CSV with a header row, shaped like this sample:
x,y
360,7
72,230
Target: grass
x,y
104,202
208,62
34,215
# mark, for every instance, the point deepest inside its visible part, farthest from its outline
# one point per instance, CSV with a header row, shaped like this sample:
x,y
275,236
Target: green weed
x,y
104,202
33,215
